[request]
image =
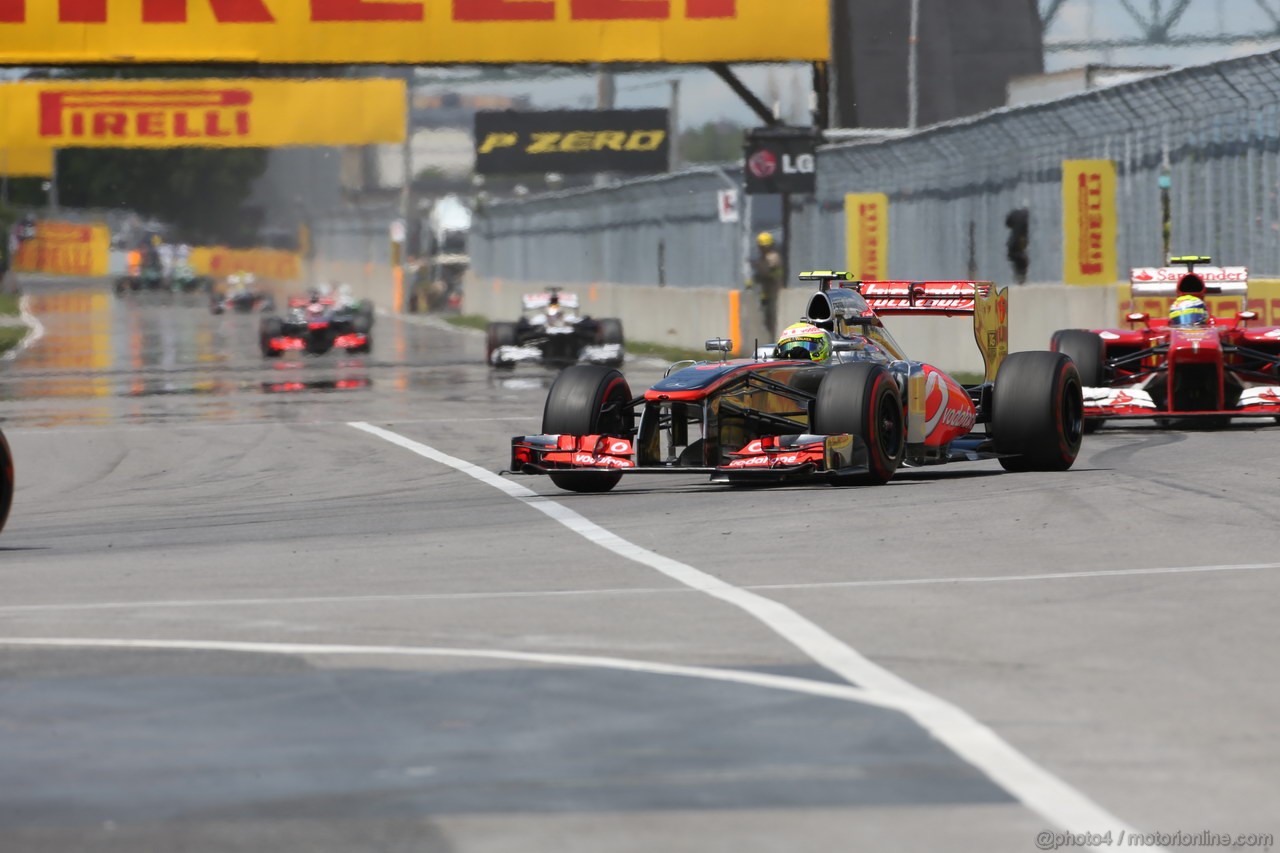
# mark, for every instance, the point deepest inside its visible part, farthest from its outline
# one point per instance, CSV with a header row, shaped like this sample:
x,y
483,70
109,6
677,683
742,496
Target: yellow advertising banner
x,y
26,162
1089,222
65,248
64,32
202,113
866,219
220,262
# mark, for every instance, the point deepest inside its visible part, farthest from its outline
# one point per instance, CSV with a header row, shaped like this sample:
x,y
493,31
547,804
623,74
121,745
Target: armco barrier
x,y
684,317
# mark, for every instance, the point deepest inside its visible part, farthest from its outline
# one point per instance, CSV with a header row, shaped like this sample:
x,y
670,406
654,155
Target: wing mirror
x,y
1135,317
724,346
848,345
1243,318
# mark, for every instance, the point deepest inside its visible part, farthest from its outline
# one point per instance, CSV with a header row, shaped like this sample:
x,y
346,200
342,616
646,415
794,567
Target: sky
x,y
704,97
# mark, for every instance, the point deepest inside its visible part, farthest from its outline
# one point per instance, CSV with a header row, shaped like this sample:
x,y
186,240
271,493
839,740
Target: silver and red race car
x,y
1228,367
316,324
855,417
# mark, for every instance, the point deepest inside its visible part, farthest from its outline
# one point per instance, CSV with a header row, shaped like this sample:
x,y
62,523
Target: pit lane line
x,y
625,591
1041,791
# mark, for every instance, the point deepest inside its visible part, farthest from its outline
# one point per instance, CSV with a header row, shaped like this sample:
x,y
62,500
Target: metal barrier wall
x,y
665,230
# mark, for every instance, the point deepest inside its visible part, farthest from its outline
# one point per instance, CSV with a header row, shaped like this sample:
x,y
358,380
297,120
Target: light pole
x,y
913,68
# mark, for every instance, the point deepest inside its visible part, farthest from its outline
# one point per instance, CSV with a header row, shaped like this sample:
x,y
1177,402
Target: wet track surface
x,y
252,626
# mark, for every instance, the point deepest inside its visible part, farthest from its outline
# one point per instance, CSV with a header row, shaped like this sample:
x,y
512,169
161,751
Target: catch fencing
x,y
666,231
1212,131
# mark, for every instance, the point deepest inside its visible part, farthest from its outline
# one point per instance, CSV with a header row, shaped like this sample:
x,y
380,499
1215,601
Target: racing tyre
x,y
499,335
1038,411
862,399
269,328
362,350
1088,352
6,480
610,332
587,399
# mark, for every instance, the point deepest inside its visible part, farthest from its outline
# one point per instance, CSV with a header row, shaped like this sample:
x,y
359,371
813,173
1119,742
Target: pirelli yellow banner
x,y
201,113
64,32
866,218
1089,222
65,248
26,162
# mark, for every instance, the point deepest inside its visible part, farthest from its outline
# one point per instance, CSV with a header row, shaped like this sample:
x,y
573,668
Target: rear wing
x,y
1197,281
536,301
988,306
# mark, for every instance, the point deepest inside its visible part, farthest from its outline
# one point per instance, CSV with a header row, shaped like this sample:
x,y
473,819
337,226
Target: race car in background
x,y
6,480
1207,375
241,296
316,324
856,417
550,331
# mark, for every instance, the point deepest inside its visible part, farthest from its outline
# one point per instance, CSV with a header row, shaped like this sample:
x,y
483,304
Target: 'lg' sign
x,y
804,164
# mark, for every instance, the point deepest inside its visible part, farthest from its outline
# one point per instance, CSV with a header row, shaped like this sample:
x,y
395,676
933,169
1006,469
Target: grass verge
x,y
468,321
10,337
9,305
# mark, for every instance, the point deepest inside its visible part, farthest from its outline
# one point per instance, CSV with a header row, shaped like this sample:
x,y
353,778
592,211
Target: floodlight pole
x,y
913,68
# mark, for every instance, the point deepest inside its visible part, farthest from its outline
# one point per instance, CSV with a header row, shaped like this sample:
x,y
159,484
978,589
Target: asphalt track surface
x,y
287,606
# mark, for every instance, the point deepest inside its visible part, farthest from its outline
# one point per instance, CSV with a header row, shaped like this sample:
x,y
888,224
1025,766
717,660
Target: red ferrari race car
x,y
6,480
1195,367
853,416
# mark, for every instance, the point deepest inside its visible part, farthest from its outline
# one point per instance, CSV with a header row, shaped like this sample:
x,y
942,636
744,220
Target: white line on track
x,y
625,591
737,676
35,330
1022,778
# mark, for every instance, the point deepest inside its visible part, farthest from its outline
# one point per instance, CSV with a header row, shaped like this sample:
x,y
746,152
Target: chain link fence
x,y
1213,131
665,230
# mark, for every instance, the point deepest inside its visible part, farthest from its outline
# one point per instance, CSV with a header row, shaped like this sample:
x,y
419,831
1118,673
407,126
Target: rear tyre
x,y
1038,412
588,399
610,332
6,480
499,335
269,328
862,399
1089,353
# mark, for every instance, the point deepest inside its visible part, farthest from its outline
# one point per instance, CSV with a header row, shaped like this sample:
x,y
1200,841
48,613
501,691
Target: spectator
x,y
766,277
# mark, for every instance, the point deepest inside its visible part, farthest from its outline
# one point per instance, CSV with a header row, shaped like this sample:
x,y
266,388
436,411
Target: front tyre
x,y
1038,412
499,335
862,399
1088,351
588,399
6,480
609,331
269,328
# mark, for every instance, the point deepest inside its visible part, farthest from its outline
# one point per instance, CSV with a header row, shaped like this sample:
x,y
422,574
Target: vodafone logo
x,y
165,114
763,164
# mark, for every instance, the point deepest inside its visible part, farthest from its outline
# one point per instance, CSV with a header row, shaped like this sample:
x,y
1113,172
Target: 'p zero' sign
x,y
572,141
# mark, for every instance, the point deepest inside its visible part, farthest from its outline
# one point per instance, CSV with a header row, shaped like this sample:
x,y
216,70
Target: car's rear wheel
x,y
269,328
499,335
1088,351
610,332
6,480
862,399
1038,412
588,399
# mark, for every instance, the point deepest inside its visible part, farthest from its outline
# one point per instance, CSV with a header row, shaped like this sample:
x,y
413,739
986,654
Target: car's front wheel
x,y
588,399
862,399
6,480
1038,412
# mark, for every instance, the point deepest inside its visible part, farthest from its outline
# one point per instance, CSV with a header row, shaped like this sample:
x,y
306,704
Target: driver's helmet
x,y
1188,311
804,341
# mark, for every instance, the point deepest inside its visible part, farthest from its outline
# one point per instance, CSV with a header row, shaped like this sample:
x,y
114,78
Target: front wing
x,y
769,458
1134,403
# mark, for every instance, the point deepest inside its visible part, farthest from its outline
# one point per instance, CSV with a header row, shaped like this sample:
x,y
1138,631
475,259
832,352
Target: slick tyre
x,y
588,399
6,480
1038,412
269,328
862,399
1088,352
610,332
499,335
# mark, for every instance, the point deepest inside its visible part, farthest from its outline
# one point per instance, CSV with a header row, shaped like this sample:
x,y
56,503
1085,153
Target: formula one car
x,y
315,325
186,280
6,480
854,418
1220,368
241,296
552,332
140,279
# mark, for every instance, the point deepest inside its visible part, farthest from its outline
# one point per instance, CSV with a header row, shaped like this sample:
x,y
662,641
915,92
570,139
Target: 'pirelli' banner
x,y
65,248
1089,222
202,113
65,32
572,141
866,217
26,162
